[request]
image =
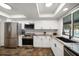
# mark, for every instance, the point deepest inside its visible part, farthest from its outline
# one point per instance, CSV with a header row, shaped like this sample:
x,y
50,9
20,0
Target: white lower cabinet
x,y
46,41
57,47
36,41
41,41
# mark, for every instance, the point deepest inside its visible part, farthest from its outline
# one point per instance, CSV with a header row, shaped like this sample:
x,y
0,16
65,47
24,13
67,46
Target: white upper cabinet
x,y
46,24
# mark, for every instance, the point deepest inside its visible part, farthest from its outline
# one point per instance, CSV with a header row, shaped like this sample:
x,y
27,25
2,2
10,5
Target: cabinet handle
x,y
55,45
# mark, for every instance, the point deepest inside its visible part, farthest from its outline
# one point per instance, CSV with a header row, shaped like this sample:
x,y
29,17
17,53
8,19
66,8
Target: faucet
x,y
70,36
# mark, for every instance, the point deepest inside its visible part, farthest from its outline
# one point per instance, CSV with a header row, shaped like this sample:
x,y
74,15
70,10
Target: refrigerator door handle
x,y
9,29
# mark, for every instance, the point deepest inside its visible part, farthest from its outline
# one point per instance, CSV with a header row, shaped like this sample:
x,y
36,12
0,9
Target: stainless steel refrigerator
x,y
12,31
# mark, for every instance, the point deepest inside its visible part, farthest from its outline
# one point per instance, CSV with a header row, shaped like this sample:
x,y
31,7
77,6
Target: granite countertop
x,y
73,46
42,35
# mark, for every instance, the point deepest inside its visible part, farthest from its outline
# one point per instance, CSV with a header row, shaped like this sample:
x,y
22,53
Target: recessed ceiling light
x,y
5,6
48,4
65,9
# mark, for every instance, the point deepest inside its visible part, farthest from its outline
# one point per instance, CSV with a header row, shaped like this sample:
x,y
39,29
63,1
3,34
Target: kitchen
x,y
35,28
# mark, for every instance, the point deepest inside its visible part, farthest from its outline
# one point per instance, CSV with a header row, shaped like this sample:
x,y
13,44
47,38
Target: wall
x,y
2,33
2,20
60,27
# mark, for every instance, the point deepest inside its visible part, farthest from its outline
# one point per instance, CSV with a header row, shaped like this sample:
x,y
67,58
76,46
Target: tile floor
x,y
26,52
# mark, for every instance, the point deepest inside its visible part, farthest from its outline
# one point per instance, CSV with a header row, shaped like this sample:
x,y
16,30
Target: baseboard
x,y
1,46
41,47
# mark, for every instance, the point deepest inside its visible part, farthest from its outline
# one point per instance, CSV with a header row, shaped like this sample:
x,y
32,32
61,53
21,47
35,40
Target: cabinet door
x,y
40,43
42,38
51,44
58,48
45,41
54,47
37,41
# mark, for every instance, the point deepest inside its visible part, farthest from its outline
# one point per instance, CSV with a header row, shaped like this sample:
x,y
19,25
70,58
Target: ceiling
x,y
35,11
44,10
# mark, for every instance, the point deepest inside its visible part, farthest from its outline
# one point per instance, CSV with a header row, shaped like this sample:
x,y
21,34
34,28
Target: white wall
x,y
2,32
60,27
3,17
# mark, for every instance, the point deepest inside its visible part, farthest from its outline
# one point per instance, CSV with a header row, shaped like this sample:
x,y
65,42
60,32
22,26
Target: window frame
x,y
70,26
73,24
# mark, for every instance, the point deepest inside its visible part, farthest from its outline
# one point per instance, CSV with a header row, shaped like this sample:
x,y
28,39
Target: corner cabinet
x,y
57,47
41,41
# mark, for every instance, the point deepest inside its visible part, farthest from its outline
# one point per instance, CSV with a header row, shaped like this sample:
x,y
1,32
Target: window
x,y
76,24
67,25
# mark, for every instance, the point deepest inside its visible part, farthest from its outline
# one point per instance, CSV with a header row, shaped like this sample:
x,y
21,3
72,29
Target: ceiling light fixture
x,y
60,7
5,6
48,4
65,9
17,16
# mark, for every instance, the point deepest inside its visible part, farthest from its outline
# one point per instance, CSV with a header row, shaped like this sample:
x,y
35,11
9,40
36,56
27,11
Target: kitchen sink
x,y
66,40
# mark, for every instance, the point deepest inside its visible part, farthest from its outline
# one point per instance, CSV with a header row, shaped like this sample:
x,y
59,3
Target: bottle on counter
x,y
44,33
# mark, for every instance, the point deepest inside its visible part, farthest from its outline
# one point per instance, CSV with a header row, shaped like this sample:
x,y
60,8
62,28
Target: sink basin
x,y
66,40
